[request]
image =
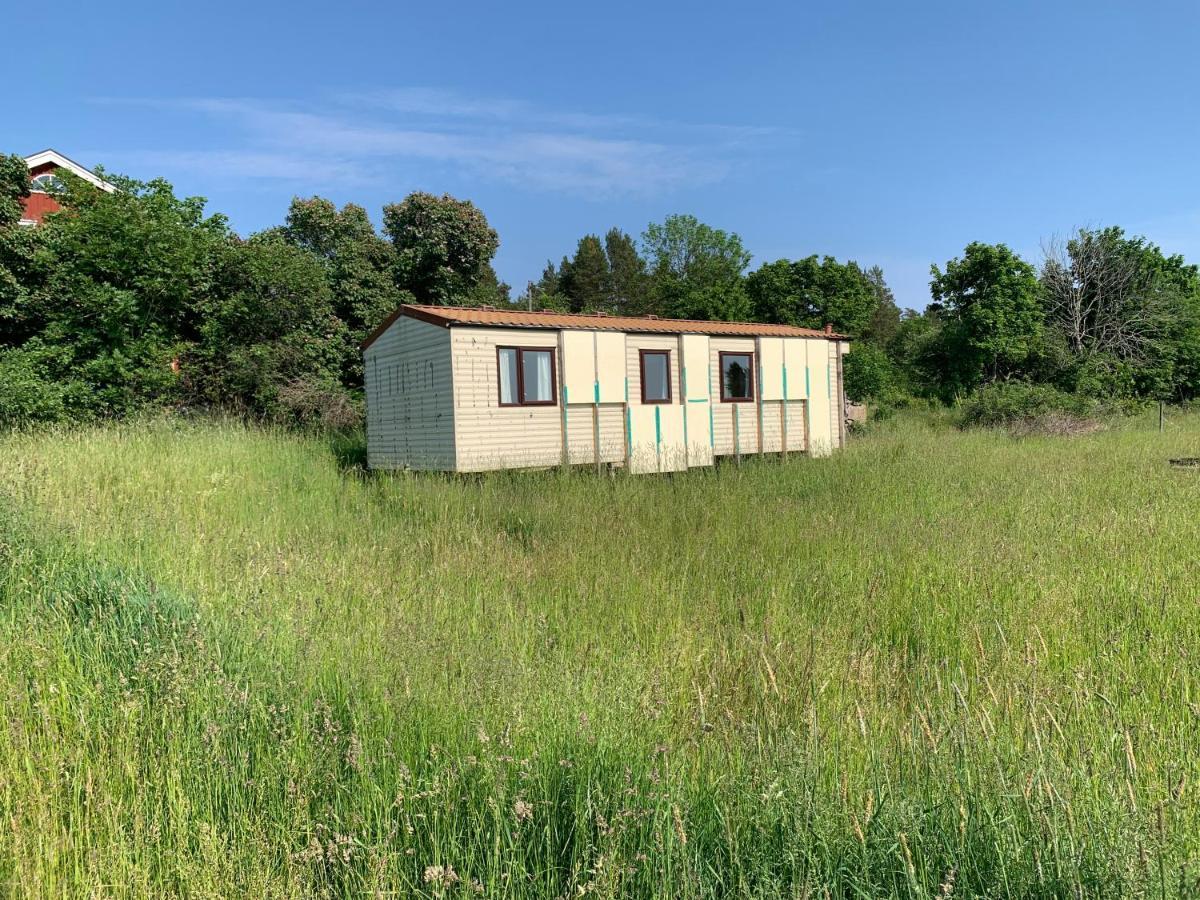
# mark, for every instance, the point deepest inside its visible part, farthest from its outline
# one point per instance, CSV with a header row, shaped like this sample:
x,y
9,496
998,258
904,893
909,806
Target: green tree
x,y
14,187
992,298
23,263
925,355
1128,315
695,270
586,281
884,324
868,373
627,272
130,272
812,292
546,292
359,269
271,324
489,290
443,246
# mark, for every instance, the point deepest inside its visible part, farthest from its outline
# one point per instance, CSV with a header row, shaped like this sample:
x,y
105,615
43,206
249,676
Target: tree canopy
x,y
444,246
140,298
994,311
813,292
696,270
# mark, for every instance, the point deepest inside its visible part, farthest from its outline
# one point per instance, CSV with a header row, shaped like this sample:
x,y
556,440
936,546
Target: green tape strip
x,y
686,444
783,437
658,438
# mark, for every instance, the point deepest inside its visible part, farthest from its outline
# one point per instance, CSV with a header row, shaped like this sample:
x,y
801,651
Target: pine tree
x,y
546,292
627,270
586,281
884,323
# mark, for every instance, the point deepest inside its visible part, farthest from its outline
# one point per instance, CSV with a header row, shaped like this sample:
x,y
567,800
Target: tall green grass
x,y
938,664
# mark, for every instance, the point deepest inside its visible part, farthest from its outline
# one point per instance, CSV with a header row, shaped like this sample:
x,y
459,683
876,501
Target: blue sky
x,y
889,133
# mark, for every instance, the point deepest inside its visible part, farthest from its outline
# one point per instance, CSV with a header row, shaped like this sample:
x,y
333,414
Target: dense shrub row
x,y
138,298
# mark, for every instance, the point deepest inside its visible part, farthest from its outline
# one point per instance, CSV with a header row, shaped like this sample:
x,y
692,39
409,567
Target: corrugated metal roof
x,y
448,316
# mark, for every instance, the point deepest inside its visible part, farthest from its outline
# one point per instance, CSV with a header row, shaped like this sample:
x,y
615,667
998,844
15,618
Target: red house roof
x,y
448,316
41,203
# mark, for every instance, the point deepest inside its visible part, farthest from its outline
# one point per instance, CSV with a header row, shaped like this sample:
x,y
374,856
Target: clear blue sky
x,y
890,133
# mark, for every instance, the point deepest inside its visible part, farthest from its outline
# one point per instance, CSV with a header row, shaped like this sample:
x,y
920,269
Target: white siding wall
x,y
581,433
409,397
633,368
433,402
821,437
840,350
657,430
811,422
487,435
731,419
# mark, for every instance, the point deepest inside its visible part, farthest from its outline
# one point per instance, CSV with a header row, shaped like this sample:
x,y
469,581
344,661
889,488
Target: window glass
x,y
508,376
656,377
535,376
737,380
46,183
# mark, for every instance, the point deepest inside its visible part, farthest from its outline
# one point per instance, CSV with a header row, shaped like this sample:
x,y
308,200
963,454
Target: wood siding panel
x,y
695,375
837,350
633,365
820,434
433,402
610,366
581,432
795,361
489,436
409,389
728,415
797,426
772,426
770,368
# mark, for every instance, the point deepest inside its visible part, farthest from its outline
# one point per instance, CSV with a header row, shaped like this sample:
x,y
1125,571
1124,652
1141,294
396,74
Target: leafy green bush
x,y
27,395
1009,402
868,373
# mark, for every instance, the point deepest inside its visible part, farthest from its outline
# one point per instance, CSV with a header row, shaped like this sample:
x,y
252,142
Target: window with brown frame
x,y
526,376
656,375
737,377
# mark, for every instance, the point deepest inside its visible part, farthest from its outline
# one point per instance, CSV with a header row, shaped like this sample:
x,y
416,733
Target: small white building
x,y
469,389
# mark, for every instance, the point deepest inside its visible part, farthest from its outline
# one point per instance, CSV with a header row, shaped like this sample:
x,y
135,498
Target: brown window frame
x,y
749,354
520,386
642,354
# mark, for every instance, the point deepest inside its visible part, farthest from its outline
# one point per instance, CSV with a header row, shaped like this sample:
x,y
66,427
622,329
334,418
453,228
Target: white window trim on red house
x,y
63,162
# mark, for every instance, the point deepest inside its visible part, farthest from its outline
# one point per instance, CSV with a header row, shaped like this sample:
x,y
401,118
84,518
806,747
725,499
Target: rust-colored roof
x,y
447,316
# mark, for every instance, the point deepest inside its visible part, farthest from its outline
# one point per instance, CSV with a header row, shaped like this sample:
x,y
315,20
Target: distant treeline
x,y
137,299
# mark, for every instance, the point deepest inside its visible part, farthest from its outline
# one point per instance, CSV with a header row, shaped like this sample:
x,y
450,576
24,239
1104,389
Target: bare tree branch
x,y
1101,296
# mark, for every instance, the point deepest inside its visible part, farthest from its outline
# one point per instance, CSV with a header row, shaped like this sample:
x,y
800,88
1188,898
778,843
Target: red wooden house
x,y
42,166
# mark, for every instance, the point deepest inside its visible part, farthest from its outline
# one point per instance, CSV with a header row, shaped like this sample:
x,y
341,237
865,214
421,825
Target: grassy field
x,y
938,664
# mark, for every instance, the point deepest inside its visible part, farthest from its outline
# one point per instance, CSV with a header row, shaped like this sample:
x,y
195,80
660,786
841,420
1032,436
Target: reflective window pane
x,y
508,376
656,377
535,372
736,377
